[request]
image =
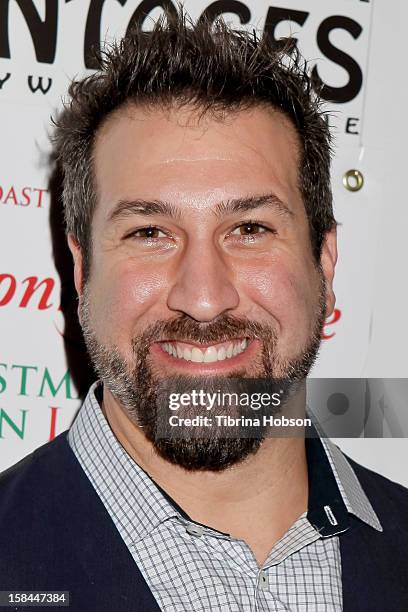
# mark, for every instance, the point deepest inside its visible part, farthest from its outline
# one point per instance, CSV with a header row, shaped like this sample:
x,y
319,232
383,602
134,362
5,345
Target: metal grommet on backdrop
x,y
353,180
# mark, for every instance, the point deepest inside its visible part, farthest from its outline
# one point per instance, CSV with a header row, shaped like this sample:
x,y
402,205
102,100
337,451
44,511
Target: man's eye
x,y
249,229
149,233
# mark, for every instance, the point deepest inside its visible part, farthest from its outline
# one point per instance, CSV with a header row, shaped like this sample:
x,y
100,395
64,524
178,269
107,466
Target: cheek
x,y
287,296
121,299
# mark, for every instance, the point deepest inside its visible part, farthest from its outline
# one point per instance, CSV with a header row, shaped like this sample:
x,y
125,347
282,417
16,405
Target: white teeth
x,y
222,353
196,355
210,355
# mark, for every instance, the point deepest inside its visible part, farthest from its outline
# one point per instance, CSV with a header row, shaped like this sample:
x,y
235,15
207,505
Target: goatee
x,y
137,385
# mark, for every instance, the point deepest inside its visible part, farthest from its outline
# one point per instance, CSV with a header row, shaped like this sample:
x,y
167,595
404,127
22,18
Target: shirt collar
x,y
139,505
353,495
335,492
128,493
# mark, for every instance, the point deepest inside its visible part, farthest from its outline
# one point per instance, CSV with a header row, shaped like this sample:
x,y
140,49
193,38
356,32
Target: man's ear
x,y
78,263
328,261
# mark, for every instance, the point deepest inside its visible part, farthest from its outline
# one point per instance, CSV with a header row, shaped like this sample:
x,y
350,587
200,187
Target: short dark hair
x,y
212,67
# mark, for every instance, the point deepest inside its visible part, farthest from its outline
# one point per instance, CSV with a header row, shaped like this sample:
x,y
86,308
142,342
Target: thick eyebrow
x,y
127,208
269,200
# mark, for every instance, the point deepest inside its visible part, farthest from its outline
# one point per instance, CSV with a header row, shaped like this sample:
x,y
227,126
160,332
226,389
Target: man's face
x,y
202,264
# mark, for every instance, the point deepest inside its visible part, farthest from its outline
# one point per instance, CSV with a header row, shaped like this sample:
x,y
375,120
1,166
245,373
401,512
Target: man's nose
x,y
204,286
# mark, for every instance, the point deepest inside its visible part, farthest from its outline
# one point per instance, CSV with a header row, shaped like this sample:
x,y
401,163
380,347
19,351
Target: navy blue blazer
x,y
56,535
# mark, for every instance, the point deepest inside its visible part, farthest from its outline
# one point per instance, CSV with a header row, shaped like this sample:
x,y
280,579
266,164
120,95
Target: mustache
x,y
221,329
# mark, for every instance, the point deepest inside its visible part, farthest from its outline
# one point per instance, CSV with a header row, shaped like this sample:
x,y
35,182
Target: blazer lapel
x,y
106,575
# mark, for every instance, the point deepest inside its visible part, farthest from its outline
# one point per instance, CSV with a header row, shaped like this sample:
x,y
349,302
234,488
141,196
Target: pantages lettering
x,y
44,35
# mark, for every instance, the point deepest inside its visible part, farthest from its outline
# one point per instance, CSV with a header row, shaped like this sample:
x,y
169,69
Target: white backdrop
x,y
354,46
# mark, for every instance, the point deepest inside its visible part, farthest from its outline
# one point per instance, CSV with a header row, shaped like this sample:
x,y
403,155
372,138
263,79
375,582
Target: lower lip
x,y
216,367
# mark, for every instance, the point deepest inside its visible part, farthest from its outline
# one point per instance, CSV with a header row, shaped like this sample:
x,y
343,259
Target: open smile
x,y
207,354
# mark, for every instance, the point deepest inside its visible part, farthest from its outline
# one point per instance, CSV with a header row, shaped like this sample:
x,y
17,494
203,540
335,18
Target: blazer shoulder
x,y
35,471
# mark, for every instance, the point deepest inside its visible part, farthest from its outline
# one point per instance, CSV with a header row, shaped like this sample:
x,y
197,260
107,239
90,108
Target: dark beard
x,y
138,387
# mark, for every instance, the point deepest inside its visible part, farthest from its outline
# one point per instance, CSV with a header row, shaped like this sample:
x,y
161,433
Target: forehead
x,y
181,155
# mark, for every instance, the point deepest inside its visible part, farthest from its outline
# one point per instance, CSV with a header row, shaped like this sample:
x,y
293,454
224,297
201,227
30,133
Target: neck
x,y
257,500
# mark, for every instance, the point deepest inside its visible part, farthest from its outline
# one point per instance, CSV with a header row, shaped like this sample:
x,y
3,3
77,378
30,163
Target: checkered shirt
x,y
189,566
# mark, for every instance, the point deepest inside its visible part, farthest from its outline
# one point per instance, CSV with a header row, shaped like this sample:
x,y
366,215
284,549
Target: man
x,y
199,215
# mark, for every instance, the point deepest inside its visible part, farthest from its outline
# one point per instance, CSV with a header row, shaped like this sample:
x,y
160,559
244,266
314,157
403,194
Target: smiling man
x,y
193,197
199,216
